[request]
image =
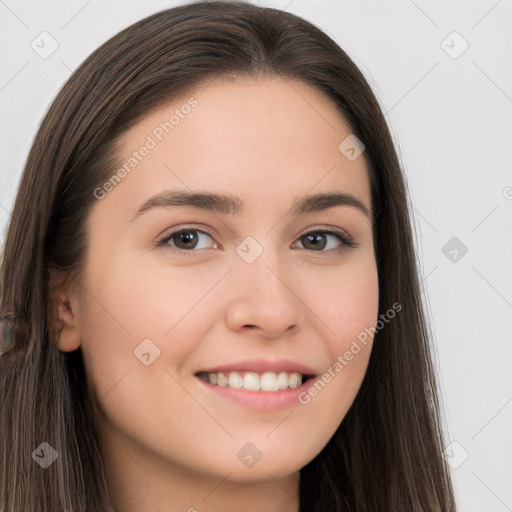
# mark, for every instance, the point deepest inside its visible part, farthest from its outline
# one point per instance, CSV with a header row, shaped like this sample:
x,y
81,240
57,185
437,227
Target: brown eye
x,y
185,239
314,241
318,240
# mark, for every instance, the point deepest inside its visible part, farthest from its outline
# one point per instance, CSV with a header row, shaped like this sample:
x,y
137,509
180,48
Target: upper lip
x,y
261,366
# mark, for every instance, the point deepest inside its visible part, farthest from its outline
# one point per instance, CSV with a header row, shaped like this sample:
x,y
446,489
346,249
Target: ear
x,y
64,318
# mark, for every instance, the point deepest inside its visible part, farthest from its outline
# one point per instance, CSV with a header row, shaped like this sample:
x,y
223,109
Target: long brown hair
x,y
387,453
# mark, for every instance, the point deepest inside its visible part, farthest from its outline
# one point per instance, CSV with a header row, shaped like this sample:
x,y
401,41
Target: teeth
x,y
235,380
268,382
294,380
282,380
221,379
252,381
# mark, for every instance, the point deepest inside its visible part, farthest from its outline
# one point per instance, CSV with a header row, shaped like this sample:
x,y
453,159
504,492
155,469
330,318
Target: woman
x,y
209,287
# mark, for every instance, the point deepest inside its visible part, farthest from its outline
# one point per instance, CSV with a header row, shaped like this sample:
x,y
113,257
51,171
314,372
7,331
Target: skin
x,y
170,443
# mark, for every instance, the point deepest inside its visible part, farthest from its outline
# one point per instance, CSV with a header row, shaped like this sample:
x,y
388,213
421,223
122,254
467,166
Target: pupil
x,y
187,237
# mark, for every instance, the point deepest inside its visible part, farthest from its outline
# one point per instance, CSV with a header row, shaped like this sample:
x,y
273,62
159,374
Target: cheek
x,y
348,309
128,303
346,301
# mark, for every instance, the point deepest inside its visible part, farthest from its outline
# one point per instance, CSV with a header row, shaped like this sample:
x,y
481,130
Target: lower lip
x,y
266,401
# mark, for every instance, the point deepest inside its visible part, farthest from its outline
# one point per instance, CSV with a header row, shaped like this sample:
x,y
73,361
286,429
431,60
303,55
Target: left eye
x,y
313,238
187,239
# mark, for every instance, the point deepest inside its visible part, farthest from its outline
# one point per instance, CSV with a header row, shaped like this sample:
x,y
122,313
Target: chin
x,y
272,465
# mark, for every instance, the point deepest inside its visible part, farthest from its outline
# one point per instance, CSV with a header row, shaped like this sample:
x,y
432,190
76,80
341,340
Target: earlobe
x,y
68,339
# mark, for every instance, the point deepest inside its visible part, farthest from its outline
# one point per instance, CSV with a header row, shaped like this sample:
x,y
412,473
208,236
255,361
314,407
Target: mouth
x,y
255,381
261,385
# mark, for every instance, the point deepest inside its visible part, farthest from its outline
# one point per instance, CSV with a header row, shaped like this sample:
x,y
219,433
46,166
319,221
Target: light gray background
x,y
451,117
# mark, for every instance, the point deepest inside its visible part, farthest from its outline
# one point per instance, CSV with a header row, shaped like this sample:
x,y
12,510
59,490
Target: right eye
x,y
185,240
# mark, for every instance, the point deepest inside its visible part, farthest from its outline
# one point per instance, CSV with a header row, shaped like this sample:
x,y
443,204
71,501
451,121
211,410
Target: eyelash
x,y
346,240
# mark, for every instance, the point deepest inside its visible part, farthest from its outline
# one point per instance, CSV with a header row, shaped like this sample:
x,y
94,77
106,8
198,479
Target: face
x,y
260,290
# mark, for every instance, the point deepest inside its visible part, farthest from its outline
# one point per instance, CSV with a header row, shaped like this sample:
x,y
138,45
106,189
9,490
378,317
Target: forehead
x,y
276,137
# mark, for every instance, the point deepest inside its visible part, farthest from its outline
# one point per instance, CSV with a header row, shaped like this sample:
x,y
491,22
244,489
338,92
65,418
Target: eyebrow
x,y
232,205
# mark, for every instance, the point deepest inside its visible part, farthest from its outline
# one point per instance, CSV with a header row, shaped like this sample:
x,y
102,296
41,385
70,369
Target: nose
x,y
263,301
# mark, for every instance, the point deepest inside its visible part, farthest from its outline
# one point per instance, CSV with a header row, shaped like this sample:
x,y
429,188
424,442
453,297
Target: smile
x,y
253,381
